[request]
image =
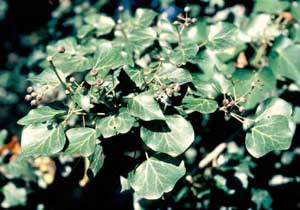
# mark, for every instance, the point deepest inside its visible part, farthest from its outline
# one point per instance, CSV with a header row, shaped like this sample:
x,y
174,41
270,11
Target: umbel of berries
x,y
33,97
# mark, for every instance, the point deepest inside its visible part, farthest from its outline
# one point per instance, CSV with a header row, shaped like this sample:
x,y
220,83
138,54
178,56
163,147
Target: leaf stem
x,y
49,59
259,54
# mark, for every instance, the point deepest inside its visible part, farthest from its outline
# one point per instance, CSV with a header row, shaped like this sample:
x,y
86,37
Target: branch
x,y
212,155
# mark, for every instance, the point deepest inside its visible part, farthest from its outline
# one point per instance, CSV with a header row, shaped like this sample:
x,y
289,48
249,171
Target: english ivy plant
x,y
145,74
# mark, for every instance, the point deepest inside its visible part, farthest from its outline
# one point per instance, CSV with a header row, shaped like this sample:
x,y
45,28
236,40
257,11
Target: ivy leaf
x,y
171,73
153,178
13,196
3,137
144,17
187,50
101,23
124,184
115,124
273,7
69,46
39,115
82,100
269,134
196,32
262,198
202,105
222,35
70,64
136,75
96,160
172,139
264,81
40,139
72,59
273,106
210,86
141,38
285,62
19,168
47,77
82,141
167,32
107,57
145,107
270,107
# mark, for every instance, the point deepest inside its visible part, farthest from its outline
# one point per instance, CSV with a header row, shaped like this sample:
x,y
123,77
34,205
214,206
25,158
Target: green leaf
x,y
273,106
171,73
84,31
210,86
13,196
273,7
39,115
243,81
222,35
262,198
153,178
295,11
47,77
184,52
144,17
69,64
82,141
202,105
262,27
96,160
124,184
136,75
69,45
40,139
101,23
19,168
3,137
112,125
72,59
108,57
173,138
196,32
141,38
167,32
82,100
269,134
285,62
145,107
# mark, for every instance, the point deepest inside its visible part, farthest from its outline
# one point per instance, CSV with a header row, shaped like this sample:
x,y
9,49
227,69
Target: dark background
x,y
24,17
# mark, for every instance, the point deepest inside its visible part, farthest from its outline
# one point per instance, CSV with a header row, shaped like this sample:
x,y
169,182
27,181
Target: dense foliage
x,y
161,84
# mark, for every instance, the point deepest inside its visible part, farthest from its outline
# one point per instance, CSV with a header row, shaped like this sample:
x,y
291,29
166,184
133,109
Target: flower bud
x,y
186,9
94,72
72,79
243,99
163,87
241,109
99,81
33,103
33,94
27,97
39,97
29,89
49,58
225,102
120,8
61,49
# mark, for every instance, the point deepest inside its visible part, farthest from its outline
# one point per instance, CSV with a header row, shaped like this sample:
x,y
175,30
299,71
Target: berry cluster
x,y
164,93
34,97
